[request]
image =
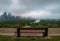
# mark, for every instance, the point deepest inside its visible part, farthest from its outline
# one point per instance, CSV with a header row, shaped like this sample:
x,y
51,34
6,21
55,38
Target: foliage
x,y
21,23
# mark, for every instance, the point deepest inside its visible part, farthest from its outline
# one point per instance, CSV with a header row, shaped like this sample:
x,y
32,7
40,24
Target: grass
x,y
6,38
52,38
11,38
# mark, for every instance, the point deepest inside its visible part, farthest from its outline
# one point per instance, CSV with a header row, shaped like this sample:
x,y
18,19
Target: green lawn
x,y
11,38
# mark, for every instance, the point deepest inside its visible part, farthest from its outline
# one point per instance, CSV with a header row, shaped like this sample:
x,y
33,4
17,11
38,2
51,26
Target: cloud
x,y
33,8
42,14
38,13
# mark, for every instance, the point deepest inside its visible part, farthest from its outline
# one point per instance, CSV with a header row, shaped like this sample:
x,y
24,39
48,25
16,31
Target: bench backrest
x,y
32,31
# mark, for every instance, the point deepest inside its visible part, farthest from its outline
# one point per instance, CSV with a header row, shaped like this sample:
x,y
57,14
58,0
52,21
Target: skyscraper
x,y
5,15
13,17
9,16
1,18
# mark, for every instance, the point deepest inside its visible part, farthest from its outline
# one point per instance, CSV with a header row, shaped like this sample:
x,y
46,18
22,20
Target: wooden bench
x,y
35,32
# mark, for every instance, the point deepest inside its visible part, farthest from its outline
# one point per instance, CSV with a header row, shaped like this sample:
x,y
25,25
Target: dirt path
x,y
11,31
53,31
7,31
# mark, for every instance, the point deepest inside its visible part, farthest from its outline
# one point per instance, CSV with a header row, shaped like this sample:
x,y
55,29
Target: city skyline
x,y
39,9
9,16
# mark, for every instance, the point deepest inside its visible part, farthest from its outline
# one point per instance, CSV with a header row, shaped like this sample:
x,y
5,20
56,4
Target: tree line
x,y
21,23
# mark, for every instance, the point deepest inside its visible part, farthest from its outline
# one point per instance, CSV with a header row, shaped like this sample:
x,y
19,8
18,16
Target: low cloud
x,y
32,8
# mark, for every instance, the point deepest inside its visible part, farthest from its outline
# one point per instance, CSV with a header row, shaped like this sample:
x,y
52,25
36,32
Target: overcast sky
x,y
33,8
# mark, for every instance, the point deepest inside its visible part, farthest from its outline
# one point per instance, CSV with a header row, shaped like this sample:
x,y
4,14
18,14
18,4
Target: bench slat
x,y
32,30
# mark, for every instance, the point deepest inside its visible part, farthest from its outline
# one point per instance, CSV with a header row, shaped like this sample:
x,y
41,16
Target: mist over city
x,y
38,9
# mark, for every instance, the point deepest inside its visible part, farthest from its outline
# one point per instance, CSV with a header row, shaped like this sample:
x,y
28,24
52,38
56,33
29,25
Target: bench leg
x,y
45,34
18,32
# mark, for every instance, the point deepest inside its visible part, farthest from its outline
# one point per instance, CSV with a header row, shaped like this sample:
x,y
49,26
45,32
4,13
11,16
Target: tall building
x,y
9,16
13,18
5,15
1,18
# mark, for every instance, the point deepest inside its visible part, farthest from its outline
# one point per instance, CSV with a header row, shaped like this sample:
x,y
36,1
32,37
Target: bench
x,y
35,32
